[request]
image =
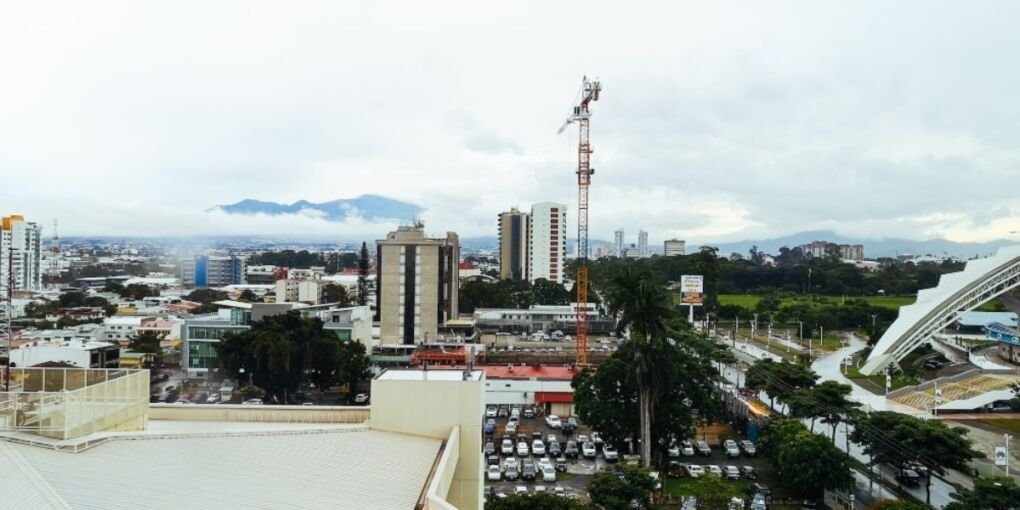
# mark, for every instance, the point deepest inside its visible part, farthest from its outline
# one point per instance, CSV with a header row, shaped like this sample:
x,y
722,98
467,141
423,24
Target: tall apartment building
x,y
642,243
20,254
213,271
827,249
674,247
513,244
547,252
618,243
417,281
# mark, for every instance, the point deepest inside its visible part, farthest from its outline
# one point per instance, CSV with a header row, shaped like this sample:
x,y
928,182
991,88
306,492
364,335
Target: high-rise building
x,y
213,271
20,254
618,243
642,243
513,245
547,252
674,247
417,281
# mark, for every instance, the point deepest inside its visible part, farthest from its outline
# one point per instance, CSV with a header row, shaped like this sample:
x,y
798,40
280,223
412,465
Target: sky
x,y
719,121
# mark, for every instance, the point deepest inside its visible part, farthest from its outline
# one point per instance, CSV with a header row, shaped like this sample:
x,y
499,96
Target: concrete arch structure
x,y
980,281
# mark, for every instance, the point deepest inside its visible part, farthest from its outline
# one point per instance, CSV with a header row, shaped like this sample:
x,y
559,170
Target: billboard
x,y
692,289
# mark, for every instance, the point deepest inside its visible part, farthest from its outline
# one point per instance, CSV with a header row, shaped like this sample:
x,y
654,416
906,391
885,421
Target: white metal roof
x,y
296,470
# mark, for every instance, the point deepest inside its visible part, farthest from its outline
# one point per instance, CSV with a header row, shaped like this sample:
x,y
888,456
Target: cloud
x,y
718,121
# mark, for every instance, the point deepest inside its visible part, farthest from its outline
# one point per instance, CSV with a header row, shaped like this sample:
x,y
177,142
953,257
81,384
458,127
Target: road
x,y
828,366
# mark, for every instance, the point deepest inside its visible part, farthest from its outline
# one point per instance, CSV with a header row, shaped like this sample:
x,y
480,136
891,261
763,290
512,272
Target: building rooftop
x,y
249,466
427,375
980,319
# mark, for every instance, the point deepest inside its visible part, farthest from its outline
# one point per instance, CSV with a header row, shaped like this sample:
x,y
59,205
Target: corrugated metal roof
x,y
337,470
23,488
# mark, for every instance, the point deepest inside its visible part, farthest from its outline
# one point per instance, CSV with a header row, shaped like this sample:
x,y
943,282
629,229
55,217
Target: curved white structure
x,y
980,281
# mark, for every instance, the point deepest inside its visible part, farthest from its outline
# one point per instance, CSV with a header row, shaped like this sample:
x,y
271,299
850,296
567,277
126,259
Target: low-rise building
x,y
81,313
349,323
546,318
122,329
78,353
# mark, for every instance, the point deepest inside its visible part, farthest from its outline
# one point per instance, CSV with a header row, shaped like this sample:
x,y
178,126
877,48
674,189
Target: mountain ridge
x,y
369,207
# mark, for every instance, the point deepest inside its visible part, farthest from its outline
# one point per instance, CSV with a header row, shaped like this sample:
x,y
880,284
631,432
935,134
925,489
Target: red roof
x,y
554,397
559,372
466,265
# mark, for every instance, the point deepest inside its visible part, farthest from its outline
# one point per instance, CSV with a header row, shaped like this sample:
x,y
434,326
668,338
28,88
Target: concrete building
x,y
122,329
79,353
299,291
546,318
417,281
20,254
642,243
264,274
674,247
853,252
348,323
618,243
213,271
203,332
547,251
513,244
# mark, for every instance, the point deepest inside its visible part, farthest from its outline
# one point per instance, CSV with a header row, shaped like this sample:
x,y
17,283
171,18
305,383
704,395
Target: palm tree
x,y
641,307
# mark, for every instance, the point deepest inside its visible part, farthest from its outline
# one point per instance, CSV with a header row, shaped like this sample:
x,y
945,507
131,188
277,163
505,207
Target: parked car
x,y
520,490
490,426
588,450
537,447
361,398
570,426
511,427
539,489
492,460
715,470
494,474
490,412
503,411
490,448
610,453
511,470
731,472
527,470
687,449
758,502
552,421
522,449
560,491
528,412
748,472
704,449
258,402
597,439
673,451
571,451
549,474
507,447
561,464
212,398
695,471
748,448
554,449
908,477
732,450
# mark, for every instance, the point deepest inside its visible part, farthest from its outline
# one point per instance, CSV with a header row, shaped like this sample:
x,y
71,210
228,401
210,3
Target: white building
x,y
122,328
80,353
642,243
674,247
349,323
618,243
20,252
547,250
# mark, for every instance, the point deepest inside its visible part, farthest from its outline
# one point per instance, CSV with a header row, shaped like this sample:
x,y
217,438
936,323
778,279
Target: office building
x,y
618,243
642,243
674,247
826,249
547,252
513,245
20,254
78,353
213,271
417,281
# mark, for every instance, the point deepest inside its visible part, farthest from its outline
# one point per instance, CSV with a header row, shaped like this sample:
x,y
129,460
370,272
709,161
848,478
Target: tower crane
x,y
590,90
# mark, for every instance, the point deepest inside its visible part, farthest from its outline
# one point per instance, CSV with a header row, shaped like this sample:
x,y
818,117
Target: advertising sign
x,y
692,288
1000,456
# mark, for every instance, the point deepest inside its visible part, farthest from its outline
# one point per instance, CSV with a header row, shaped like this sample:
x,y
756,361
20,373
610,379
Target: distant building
x,y
642,243
513,244
674,247
21,254
827,249
352,323
122,329
417,281
213,271
203,332
79,353
264,274
545,318
547,252
618,241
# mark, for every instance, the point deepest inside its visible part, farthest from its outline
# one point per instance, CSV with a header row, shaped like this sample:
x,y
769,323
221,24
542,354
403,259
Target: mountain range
x,y
367,207
873,248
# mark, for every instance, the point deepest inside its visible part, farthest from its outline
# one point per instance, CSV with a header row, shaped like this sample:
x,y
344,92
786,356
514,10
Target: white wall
x,y
512,391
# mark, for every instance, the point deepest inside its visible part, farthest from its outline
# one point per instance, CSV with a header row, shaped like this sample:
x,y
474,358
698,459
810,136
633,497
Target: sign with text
x,y
692,289
1000,456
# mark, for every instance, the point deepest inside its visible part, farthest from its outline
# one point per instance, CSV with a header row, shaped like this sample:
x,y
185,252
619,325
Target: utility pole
x,y
1007,437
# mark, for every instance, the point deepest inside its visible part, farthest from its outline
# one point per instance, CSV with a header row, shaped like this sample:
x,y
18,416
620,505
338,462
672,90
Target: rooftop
x,y
427,375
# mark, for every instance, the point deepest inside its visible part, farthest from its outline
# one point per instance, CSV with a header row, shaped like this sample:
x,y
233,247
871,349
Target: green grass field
x,y
751,300
1012,425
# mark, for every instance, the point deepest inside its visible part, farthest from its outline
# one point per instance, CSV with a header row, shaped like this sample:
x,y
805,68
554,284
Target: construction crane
x,y
589,92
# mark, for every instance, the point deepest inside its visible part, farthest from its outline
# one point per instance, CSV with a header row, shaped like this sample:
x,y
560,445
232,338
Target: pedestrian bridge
x,y
936,308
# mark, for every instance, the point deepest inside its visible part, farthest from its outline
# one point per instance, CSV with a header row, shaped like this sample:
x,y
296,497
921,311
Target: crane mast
x,y
589,92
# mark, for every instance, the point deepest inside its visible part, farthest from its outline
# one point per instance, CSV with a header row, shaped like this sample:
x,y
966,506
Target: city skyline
x,y
736,124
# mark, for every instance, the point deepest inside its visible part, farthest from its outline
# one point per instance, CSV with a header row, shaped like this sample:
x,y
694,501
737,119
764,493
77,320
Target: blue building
x,y
213,271
1008,339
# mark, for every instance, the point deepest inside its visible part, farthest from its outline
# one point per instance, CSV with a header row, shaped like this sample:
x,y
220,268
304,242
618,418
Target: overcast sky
x,y
718,121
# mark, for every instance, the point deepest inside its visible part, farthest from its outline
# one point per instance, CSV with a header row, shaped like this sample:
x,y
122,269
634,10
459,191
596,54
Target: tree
x,y
73,299
115,288
779,380
893,438
829,401
363,275
624,487
996,493
714,493
807,463
138,291
248,296
148,342
545,292
334,293
536,501
353,367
